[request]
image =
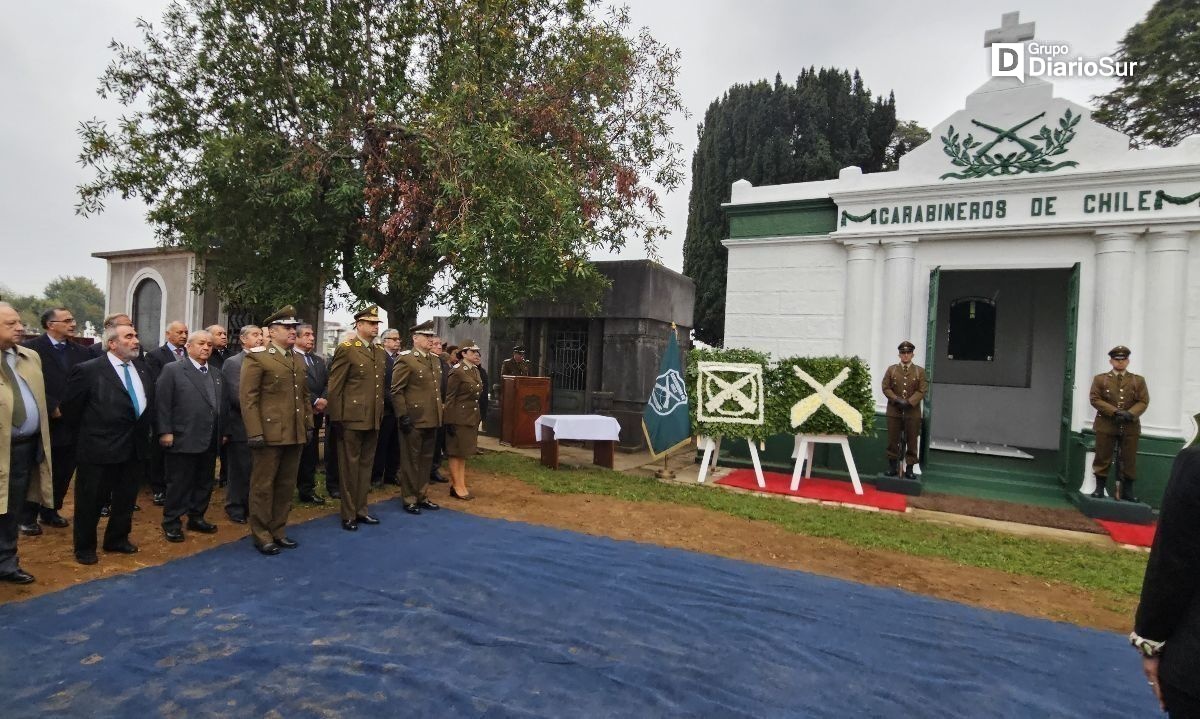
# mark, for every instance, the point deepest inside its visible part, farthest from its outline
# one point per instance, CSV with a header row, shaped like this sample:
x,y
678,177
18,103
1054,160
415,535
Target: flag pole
x,y
666,472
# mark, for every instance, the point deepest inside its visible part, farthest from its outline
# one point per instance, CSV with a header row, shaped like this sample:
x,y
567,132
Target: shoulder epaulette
x,y
347,343
406,352
257,349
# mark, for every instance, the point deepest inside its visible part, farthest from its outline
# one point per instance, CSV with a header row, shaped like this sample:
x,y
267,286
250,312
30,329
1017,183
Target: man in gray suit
x,y
317,374
237,453
193,422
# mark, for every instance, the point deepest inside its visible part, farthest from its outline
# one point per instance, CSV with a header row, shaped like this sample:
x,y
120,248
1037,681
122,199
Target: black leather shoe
x,y
55,520
412,509
105,511
126,547
137,508
335,495
159,499
366,519
287,542
465,497
19,576
893,469
30,530
426,504
312,499
86,557
1098,493
201,525
236,518
436,478
349,525
1127,490
270,548
908,473
173,535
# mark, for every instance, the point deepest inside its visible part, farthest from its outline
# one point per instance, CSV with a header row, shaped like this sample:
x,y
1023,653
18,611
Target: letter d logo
x,y
1008,60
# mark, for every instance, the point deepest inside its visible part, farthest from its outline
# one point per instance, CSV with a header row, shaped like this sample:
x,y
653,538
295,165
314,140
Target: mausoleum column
x,y
860,297
899,262
1161,361
1113,311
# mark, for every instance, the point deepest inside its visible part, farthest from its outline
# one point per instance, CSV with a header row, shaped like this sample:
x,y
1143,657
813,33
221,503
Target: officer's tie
x,y
137,409
18,413
60,353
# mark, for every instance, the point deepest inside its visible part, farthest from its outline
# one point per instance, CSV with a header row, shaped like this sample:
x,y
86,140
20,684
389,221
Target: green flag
x,y
665,419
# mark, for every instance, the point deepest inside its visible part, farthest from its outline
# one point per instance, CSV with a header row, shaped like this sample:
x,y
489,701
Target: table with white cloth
x,y
602,431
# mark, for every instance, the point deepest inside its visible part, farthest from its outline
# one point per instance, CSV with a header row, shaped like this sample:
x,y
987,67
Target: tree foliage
x,y
461,152
79,294
772,134
1159,103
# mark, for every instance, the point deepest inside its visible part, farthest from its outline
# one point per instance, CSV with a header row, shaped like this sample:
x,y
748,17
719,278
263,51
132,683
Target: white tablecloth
x,y
578,426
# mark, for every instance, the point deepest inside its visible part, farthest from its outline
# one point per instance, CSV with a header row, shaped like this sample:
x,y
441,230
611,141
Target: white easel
x,y
802,451
712,450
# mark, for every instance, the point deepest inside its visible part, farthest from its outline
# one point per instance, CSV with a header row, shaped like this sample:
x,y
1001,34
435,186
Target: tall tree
x,y
80,295
1158,103
461,152
773,134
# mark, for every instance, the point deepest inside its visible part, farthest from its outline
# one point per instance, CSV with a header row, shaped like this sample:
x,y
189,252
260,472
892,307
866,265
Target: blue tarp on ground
x,y
449,615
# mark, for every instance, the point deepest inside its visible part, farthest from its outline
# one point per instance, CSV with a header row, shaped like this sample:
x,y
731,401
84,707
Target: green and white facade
x,y
1019,202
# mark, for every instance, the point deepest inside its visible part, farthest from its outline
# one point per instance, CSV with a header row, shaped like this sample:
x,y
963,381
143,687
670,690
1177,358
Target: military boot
x,y
908,472
1098,492
1126,490
893,468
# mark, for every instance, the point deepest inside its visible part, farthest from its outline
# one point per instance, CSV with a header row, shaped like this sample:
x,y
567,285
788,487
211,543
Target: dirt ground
x,y
49,557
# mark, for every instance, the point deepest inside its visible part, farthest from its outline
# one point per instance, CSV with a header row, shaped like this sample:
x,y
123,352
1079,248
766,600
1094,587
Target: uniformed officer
x,y
904,385
355,412
1120,398
417,400
462,417
278,417
517,364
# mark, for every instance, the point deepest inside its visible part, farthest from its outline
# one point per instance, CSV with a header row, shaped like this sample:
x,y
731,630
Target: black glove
x,y
903,403
450,430
1124,415
406,424
256,442
308,435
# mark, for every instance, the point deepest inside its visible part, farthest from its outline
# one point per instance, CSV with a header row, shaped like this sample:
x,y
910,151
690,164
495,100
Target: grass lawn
x,y
1114,571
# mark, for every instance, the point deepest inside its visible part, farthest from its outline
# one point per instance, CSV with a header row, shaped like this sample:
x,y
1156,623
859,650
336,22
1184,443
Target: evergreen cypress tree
x,y
770,134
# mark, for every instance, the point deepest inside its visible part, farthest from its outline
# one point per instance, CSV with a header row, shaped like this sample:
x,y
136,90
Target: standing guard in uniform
x,y
1120,397
417,400
278,418
462,417
517,364
355,413
904,385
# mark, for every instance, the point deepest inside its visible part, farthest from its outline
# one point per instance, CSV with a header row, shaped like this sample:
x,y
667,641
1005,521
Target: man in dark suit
x,y
1167,629
59,354
237,452
387,451
317,374
97,348
220,351
192,412
172,350
110,399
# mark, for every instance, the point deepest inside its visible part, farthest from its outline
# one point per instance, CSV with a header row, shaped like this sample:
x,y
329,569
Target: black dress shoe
x,y
136,507
287,542
86,557
431,506
312,499
20,576
55,520
201,525
173,535
30,530
349,525
106,510
159,499
465,497
127,547
236,518
366,519
270,548
436,478
412,509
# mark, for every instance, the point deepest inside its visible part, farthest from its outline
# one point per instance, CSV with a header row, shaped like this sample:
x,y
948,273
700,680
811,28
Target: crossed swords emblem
x,y
823,395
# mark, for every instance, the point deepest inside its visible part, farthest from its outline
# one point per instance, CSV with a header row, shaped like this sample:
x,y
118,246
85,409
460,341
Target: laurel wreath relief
x,y
979,161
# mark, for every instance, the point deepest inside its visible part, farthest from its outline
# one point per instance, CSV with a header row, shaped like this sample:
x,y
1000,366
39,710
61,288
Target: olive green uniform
x,y
906,382
1111,392
417,393
355,397
275,406
519,368
461,409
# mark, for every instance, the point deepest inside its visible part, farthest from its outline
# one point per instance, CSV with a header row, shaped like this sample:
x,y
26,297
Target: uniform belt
x,y
23,440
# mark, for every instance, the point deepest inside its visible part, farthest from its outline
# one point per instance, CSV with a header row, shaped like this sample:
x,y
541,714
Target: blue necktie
x,y
137,411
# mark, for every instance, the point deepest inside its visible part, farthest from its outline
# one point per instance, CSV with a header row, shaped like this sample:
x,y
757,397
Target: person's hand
x,y
166,440
450,430
405,423
256,442
225,439
1150,669
1124,415
320,404
903,403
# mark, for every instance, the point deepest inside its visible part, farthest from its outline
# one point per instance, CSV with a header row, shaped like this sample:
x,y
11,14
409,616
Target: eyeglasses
x,y
65,321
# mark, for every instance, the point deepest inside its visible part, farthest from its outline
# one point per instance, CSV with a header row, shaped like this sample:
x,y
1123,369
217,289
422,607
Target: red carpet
x,y
829,490
1139,535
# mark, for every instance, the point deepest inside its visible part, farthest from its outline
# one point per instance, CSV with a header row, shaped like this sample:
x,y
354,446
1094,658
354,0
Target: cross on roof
x,y
1011,30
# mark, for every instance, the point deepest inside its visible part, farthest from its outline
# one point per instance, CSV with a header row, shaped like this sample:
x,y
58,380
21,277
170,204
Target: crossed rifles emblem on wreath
x,y
744,390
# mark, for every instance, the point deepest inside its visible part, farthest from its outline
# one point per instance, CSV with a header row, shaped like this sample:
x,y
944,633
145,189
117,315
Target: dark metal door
x,y
931,321
568,367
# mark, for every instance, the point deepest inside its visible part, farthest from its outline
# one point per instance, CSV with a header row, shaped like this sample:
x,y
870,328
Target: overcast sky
x,y
929,52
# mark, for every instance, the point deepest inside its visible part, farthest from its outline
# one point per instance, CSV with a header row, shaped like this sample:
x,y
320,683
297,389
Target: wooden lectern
x,y
522,401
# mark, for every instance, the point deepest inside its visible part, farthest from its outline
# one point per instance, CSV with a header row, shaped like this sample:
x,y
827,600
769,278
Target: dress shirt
x,y
32,419
133,373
